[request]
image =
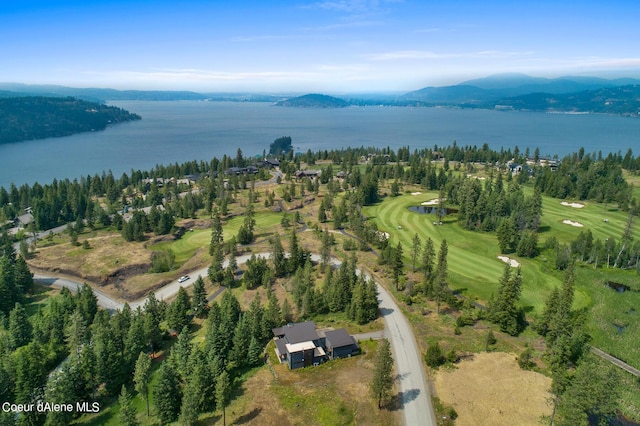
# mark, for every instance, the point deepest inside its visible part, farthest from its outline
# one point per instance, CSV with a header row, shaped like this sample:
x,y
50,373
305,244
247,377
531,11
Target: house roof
x,y
302,346
26,219
297,332
339,338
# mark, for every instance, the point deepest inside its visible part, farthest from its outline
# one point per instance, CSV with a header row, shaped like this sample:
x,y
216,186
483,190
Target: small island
x,y
39,117
314,101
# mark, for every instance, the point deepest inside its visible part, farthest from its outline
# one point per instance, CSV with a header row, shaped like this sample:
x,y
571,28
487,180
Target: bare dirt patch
x,y
109,256
491,389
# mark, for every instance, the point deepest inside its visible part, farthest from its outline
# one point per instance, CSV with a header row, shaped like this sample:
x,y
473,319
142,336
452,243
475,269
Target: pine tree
x,y
398,264
216,270
216,231
415,249
20,330
190,405
178,312
254,354
440,284
428,256
382,382
181,352
22,276
127,413
503,310
166,394
199,298
434,356
75,332
141,377
278,258
223,392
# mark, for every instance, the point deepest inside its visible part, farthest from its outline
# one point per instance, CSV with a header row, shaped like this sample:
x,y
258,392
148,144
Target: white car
x,y
184,278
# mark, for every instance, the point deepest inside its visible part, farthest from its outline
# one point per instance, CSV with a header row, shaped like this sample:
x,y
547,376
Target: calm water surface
x,y
172,132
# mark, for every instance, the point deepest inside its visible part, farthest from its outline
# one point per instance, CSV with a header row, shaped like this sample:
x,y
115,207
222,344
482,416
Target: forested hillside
x,y
27,118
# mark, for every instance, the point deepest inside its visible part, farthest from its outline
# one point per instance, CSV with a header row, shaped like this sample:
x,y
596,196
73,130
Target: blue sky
x,y
333,46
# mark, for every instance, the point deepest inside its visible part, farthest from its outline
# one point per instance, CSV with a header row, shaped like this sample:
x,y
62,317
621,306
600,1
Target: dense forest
x,y
27,118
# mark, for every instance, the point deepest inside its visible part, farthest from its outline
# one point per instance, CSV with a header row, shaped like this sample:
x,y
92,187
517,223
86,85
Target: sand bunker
x,y
574,205
572,223
510,261
491,389
416,193
433,202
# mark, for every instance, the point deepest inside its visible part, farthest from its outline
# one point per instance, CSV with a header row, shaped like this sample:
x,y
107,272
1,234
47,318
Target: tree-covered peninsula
x,y
314,101
27,118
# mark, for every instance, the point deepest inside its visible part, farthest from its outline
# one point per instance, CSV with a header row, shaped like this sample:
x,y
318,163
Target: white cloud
x,y
426,54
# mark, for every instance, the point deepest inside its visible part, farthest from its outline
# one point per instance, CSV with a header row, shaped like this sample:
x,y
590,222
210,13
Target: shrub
x,y
525,360
434,357
162,261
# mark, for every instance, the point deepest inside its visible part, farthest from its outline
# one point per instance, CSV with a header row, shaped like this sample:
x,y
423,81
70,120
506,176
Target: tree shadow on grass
x,y
246,418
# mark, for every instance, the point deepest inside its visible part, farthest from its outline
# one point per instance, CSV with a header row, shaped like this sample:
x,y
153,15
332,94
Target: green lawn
x,y
475,270
185,247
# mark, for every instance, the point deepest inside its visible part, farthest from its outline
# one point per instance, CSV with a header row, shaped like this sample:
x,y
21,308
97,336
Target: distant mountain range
x,y
492,89
575,94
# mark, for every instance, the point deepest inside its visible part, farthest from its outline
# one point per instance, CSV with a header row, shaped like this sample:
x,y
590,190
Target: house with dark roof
x,y
271,163
301,174
24,220
300,345
340,344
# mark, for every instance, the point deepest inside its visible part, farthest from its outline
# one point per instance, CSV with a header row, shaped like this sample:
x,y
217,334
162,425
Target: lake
x,y
181,131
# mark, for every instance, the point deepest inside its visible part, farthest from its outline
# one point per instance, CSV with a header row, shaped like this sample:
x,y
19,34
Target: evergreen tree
x,y
254,354
202,379
61,386
216,231
141,377
22,276
278,257
382,382
434,357
86,303
593,393
76,332
178,312
167,394
181,353
127,413
440,284
216,270
190,405
416,247
503,310
199,298
428,256
397,265
223,393
20,330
